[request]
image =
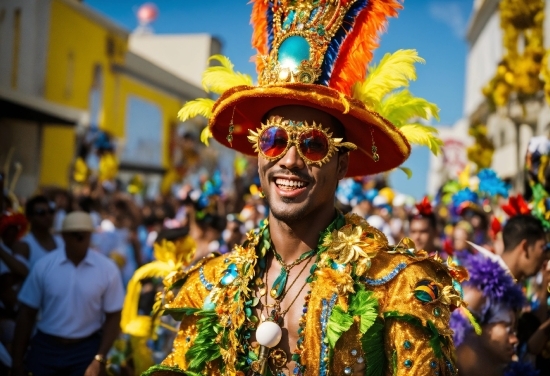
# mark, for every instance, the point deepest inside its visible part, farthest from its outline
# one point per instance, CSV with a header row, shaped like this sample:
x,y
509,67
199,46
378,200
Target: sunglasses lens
x,y
273,141
314,145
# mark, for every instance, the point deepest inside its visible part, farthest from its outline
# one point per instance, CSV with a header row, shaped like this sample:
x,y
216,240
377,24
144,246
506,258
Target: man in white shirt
x,y
79,294
39,241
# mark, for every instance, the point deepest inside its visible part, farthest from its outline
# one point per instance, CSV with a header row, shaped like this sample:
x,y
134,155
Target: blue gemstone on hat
x,y
407,345
408,363
433,364
293,51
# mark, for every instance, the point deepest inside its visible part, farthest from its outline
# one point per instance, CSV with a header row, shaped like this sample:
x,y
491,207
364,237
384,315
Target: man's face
x,y
41,216
294,189
422,234
535,256
77,242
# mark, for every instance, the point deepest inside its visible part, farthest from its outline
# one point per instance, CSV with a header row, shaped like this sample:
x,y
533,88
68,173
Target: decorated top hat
x,y
314,53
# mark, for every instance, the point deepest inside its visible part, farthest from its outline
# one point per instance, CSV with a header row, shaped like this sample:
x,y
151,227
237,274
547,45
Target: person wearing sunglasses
x,y
314,291
79,294
39,241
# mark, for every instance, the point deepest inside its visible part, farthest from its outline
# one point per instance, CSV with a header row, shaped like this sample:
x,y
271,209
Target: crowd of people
x,y
67,259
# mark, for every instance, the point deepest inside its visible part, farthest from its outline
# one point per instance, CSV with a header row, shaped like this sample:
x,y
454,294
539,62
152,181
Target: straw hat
x,y
77,221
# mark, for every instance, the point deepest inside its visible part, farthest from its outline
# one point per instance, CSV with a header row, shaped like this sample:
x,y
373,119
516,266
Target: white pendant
x,y
269,334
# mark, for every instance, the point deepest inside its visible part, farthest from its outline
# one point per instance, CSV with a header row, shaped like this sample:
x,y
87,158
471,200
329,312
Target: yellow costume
x,y
393,316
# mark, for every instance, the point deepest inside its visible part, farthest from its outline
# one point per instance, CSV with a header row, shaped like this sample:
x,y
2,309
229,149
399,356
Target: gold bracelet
x,y
100,358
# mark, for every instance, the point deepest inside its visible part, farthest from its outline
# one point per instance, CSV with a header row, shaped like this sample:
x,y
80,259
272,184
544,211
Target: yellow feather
x,y
130,307
394,72
206,135
199,106
471,318
401,107
422,135
220,78
464,177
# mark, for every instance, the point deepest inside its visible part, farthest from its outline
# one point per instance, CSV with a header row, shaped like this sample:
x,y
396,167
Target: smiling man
x,y
313,292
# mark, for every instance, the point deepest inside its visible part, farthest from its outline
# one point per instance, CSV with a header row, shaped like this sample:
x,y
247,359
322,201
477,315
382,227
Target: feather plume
x,y
394,72
333,49
357,48
422,135
401,106
259,23
220,78
196,107
205,136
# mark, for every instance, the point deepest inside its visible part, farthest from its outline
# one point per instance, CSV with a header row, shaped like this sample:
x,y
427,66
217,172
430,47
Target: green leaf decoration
x,y
407,171
373,347
162,368
338,323
394,362
365,305
435,341
204,348
178,313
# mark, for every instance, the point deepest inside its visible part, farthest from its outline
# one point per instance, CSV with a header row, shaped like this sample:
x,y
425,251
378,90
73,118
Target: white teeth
x,y
290,183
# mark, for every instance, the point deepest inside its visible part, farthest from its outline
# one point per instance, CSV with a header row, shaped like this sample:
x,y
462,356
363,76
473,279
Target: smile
x,y
289,185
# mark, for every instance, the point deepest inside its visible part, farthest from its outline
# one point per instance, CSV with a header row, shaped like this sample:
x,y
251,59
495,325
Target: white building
x,y
510,127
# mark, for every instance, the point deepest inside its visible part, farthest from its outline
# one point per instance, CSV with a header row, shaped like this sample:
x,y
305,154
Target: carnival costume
x,y
369,302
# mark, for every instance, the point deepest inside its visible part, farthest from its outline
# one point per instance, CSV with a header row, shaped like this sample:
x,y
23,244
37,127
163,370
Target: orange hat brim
x,y
249,104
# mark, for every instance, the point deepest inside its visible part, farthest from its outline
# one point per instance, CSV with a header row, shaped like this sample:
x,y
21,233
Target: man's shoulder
x,y
393,262
50,259
102,260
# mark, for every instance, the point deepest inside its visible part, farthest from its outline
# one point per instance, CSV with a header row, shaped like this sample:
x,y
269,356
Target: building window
x,y
16,47
70,76
96,96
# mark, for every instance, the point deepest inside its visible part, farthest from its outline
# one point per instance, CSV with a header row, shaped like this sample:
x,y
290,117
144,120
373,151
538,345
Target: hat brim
x,y
247,105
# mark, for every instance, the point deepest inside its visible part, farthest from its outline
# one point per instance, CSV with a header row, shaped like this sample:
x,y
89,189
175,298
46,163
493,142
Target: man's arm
x,y
23,329
110,331
16,266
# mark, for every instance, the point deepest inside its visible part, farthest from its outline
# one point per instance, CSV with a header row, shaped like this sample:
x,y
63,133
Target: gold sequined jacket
x,y
387,306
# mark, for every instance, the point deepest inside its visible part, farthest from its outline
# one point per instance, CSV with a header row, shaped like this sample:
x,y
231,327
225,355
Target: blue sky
x,y
436,28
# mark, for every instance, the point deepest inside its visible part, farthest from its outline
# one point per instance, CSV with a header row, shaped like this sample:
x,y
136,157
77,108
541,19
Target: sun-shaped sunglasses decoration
x,y
314,144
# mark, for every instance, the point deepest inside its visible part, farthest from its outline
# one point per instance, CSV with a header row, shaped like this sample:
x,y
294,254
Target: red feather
x,y
448,247
496,227
424,207
516,206
258,20
357,49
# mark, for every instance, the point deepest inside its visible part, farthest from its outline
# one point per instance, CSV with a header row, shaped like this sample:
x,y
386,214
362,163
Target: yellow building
x,y
64,69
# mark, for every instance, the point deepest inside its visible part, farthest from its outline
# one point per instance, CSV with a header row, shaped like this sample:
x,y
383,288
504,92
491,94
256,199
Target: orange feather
x,y
357,49
258,20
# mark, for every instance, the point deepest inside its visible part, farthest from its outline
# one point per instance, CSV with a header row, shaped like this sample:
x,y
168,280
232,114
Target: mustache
x,y
300,175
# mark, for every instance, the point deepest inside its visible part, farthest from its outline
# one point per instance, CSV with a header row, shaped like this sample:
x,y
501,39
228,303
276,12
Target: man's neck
x,y
76,257
292,240
510,260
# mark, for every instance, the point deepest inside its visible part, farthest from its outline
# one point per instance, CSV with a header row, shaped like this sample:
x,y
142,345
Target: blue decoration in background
x,y
293,51
464,195
491,185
